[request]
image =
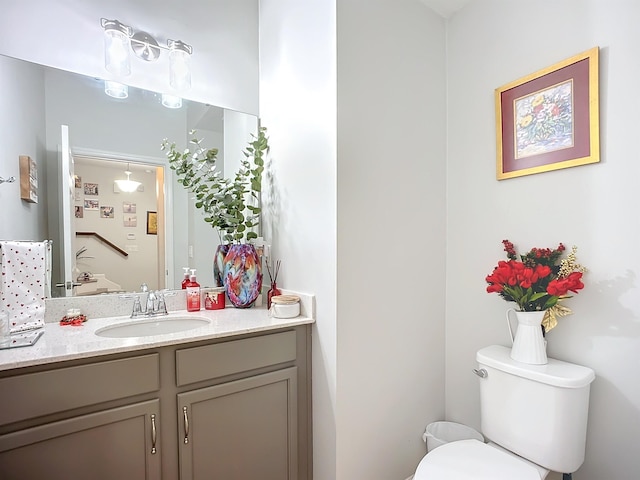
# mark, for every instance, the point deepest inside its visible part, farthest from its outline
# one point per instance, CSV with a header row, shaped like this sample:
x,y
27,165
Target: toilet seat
x,y
473,460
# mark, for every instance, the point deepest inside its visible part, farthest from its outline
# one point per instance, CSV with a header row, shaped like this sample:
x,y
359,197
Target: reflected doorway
x,y
120,240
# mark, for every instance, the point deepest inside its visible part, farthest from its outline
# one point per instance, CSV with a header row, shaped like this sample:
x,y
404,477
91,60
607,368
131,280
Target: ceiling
x,y
445,8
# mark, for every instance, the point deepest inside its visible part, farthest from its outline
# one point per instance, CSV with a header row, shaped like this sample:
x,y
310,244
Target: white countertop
x,y
61,343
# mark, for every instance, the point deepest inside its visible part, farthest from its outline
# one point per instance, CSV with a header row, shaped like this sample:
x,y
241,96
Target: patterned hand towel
x,y
23,283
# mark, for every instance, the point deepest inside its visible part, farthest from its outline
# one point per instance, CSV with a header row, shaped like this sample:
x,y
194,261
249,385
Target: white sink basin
x,y
152,326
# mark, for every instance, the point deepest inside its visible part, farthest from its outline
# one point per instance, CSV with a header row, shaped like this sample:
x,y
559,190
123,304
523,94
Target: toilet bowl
x,y
474,460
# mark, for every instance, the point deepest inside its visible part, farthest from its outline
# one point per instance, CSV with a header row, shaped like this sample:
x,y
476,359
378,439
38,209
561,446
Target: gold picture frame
x,y
549,120
152,223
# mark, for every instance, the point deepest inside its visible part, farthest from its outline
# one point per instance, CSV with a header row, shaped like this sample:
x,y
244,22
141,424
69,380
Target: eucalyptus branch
x,y
224,201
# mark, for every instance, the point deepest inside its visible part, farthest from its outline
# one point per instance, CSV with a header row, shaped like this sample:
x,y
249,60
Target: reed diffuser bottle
x,y
274,290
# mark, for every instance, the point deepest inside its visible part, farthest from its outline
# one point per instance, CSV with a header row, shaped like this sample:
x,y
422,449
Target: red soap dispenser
x,y
186,278
193,293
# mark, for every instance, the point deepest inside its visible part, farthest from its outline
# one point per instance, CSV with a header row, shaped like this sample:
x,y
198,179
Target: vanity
x,y
228,400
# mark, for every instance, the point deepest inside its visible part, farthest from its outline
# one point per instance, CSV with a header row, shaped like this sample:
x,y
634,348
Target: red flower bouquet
x,y
538,280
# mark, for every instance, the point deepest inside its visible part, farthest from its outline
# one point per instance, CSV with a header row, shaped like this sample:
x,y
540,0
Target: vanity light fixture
x,y
120,40
128,185
116,47
179,65
171,101
115,89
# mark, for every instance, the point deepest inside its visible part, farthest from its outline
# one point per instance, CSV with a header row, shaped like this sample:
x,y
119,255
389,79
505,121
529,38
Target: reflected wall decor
x,y
28,179
550,119
152,223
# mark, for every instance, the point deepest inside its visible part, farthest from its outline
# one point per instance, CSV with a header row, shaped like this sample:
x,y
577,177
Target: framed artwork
x,y
77,181
91,189
28,179
130,221
106,212
152,223
90,204
79,211
128,207
550,119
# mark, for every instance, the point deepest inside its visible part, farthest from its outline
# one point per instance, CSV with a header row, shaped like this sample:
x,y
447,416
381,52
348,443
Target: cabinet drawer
x,y
79,386
212,361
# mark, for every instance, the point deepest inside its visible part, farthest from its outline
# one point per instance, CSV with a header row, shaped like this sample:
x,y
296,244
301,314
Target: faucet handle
x,y
162,306
137,308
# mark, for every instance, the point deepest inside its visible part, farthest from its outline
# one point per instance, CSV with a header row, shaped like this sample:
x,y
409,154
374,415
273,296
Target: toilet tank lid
x,y
556,373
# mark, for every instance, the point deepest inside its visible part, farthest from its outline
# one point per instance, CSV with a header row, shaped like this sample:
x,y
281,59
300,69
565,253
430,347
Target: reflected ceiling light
x,y
171,101
120,40
128,185
115,89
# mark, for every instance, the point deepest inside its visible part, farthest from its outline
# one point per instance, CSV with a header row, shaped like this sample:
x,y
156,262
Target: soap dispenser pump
x,y
193,293
186,278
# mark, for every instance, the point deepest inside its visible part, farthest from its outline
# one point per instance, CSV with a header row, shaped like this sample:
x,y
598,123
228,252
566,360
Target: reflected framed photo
x,y
106,212
79,212
91,204
130,221
91,189
128,207
152,223
549,120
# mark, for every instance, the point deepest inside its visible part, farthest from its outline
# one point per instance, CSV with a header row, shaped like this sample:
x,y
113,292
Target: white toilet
x,y
534,416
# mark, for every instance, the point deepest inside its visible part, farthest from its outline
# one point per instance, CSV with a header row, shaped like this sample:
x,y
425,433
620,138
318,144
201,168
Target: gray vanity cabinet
x,y
245,425
233,408
40,439
243,429
111,444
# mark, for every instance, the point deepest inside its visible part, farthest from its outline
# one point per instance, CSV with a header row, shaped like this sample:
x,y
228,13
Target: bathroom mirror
x,y
109,136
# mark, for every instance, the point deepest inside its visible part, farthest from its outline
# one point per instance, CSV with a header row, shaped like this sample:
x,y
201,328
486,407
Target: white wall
x,y
391,235
378,364
489,44
298,106
22,132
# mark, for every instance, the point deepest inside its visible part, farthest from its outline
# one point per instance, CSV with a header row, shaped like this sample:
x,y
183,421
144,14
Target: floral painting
x,y
549,120
544,121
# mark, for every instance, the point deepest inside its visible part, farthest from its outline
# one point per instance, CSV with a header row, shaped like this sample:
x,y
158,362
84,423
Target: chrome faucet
x,y
155,304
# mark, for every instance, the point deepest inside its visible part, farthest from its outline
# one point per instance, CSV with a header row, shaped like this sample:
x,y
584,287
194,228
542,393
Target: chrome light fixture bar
x,y
120,40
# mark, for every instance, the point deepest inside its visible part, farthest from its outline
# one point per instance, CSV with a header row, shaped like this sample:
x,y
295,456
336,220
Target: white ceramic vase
x,y
529,346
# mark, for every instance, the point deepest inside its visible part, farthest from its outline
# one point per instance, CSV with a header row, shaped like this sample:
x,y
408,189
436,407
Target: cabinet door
x,y
112,444
240,430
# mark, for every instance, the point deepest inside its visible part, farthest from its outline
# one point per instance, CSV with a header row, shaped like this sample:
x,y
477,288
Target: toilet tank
x,y
536,411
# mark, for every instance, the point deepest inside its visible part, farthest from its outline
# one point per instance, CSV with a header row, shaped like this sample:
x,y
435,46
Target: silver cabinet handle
x,y
482,373
153,434
185,416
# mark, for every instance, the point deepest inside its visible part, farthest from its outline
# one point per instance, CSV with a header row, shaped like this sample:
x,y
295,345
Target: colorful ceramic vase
x,y
242,275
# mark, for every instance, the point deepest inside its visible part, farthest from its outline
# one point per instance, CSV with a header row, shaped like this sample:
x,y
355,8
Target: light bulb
x,y
115,89
171,101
